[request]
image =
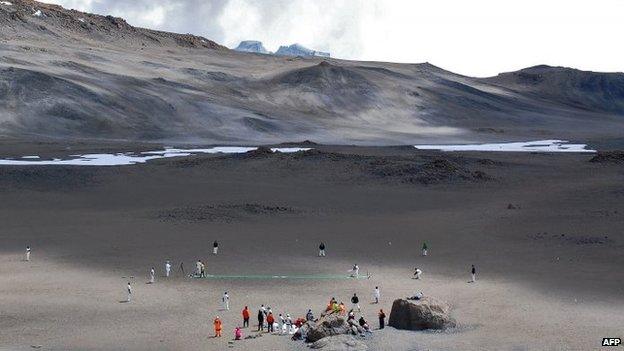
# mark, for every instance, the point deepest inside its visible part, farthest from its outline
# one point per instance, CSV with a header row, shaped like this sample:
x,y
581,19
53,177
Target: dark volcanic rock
x,y
431,172
223,212
262,151
327,326
426,313
608,157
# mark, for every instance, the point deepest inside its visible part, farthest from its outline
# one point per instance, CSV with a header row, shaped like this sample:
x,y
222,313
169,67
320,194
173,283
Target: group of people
x,y
284,323
425,251
339,308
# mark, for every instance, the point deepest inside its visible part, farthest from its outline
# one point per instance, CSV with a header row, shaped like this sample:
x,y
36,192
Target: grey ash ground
x,y
551,266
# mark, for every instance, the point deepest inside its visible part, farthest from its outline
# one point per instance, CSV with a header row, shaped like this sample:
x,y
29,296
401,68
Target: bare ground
x,y
549,269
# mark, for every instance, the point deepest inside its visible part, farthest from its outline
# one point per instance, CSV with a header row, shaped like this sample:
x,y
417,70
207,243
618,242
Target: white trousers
x,y
215,250
321,252
167,271
28,256
473,278
129,297
226,305
424,252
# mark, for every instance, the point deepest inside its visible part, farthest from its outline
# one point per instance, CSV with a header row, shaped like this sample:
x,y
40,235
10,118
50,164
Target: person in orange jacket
x,y
270,321
217,327
246,317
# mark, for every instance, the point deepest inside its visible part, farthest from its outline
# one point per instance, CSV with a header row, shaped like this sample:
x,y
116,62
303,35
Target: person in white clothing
x,y
167,268
129,288
215,247
281,324
355,271
27,253
152,275
226,301
417,273
289,324
376,294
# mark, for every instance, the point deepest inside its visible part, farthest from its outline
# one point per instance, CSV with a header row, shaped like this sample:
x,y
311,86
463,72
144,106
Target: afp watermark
x,y
611,341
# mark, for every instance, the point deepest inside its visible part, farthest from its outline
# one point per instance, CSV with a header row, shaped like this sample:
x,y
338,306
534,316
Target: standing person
x,y
417,273
473,272
281,326
203,270
246,317
226,301
376,294
289,324
382,319
270,321
238,333
182,268
322,249
355,271
198,268
261,318
217,327
167,268
355,301
27,253
215,247
424,249
129,288
152,275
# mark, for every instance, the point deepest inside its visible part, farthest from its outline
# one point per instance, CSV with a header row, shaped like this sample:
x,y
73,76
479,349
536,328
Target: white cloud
x,y
477,37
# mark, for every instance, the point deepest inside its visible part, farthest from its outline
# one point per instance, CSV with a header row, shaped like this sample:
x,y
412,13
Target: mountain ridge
x,y
102,78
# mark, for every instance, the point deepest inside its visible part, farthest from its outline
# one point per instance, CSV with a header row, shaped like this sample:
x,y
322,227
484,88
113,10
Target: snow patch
x,y
129,158
38,13
5,3
524,146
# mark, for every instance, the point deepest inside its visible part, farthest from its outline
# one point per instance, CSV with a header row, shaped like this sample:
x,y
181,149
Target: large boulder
x,y
426,313
328,325
339,343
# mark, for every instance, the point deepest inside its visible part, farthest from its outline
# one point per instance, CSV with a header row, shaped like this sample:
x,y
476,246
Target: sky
x,y
472,37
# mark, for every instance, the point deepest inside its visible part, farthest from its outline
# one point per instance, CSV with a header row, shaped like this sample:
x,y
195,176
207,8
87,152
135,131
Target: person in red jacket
x,y
246,317
270,321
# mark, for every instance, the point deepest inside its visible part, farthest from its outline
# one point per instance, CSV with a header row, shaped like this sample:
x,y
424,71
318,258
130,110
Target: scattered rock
x,y
512,207
328,325
223,212
608,157
339,343
426,313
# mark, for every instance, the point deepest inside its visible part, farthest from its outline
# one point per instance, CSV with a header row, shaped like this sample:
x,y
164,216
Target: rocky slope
x,y
67,74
